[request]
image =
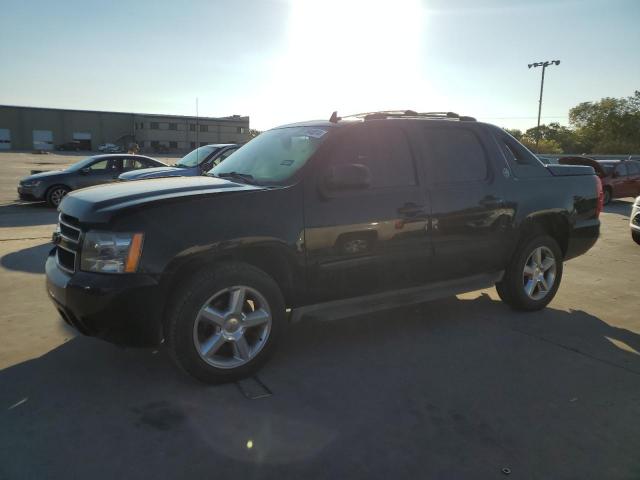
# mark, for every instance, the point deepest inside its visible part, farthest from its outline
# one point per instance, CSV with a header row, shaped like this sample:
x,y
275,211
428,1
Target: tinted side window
x,y
456,155
103,166
132,164
621,170
384,149
224,155
634,168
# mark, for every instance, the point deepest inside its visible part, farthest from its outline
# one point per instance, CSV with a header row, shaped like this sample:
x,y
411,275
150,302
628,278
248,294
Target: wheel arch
x,y
273,259
554,224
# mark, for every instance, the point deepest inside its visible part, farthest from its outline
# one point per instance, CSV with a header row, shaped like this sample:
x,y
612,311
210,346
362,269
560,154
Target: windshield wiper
x,y
245,177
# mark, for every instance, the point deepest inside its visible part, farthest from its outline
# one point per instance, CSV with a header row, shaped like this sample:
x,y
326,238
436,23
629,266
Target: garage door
x,y
43,140
84,138
5,139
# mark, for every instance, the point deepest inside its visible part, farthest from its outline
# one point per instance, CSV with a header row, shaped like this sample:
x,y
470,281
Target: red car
x,y
620,178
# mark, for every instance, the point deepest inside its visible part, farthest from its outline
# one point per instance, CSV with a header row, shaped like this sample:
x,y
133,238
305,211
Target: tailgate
x,y
570,170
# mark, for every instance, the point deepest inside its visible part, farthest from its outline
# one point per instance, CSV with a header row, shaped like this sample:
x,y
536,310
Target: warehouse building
x,y
31,128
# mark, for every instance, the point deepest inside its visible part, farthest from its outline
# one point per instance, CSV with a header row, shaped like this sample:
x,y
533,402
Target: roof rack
x,y
384,114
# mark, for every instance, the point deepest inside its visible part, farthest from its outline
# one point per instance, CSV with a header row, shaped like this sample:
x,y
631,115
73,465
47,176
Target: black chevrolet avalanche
x,y
338,216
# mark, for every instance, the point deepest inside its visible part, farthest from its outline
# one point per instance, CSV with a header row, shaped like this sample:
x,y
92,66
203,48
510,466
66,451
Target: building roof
x,y
231,118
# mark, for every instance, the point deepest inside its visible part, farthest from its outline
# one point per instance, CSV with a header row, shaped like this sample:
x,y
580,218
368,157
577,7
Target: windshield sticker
x,y
286,162
315,132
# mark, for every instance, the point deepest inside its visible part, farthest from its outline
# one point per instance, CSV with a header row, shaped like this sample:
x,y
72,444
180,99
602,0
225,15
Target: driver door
x,y
366,240
99,172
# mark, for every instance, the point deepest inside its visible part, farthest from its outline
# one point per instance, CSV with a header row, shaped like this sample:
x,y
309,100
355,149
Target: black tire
x,y
606,196
511,288
636,236
194,294
55,194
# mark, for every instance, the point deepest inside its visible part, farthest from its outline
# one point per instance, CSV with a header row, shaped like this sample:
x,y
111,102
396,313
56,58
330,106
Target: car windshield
x,y
273,156
197,156
82,164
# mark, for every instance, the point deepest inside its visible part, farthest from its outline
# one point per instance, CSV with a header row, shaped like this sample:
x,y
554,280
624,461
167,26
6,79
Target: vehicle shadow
x,y
30,259
619,207
27,215
449,389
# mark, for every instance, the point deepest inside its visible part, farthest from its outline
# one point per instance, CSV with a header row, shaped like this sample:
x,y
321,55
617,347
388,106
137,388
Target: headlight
x,y
31,183
111,252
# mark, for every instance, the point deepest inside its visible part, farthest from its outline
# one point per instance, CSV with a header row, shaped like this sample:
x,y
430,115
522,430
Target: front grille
x,y
69,244
66,259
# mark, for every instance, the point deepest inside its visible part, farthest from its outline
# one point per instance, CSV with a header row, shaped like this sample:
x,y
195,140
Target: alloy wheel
x,y
539,273
232,327
57,195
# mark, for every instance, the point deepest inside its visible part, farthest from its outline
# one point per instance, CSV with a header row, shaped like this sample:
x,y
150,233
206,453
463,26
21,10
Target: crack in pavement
x,y
576,350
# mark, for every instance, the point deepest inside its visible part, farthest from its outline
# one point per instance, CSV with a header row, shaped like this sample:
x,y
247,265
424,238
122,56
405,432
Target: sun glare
x,y
350,55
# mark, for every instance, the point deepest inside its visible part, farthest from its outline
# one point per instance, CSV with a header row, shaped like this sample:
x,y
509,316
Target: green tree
x,y
566,138
544,146
611,125
514,132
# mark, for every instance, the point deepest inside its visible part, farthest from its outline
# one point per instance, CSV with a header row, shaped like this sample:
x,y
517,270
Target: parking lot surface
x,y
456,388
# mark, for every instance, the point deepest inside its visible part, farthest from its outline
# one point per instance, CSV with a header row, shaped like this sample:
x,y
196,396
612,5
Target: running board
x,y
350,307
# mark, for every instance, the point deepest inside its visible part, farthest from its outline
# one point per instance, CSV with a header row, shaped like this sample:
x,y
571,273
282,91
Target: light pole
x,y
544,65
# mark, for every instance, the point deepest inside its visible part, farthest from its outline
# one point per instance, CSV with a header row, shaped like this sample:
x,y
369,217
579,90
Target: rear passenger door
x,y
621,184
362,241
633,168
467,227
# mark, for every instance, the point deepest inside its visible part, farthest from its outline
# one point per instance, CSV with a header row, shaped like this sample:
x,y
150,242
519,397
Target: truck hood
x,y
159,172
99,204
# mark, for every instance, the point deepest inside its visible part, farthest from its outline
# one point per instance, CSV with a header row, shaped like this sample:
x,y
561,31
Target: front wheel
x,y
606,196
56,194
636,236
225,322
533,276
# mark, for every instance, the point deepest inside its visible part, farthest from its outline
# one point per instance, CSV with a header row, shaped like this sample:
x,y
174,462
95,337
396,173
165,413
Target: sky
x,y
282,61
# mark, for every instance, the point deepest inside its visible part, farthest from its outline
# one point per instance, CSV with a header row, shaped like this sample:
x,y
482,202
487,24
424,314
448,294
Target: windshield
x,y
275,155
81,164
197,156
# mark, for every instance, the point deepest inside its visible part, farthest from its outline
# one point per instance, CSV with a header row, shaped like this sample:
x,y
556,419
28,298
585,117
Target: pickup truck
x,y
322,217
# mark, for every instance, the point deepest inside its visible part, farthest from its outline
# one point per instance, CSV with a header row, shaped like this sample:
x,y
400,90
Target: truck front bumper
x,y
125,309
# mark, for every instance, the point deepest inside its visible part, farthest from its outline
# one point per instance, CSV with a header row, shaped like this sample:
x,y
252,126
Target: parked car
x,y
194,163
110,148
73,146
620,178
336,216
634,221
54,185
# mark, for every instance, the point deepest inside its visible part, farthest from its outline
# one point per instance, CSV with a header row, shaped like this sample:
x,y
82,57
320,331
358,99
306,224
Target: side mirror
x,y
85,171
352,176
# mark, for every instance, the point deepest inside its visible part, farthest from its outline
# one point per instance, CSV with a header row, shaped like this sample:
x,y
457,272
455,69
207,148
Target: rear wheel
x,y
636,236
225,323
55,195
532,278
